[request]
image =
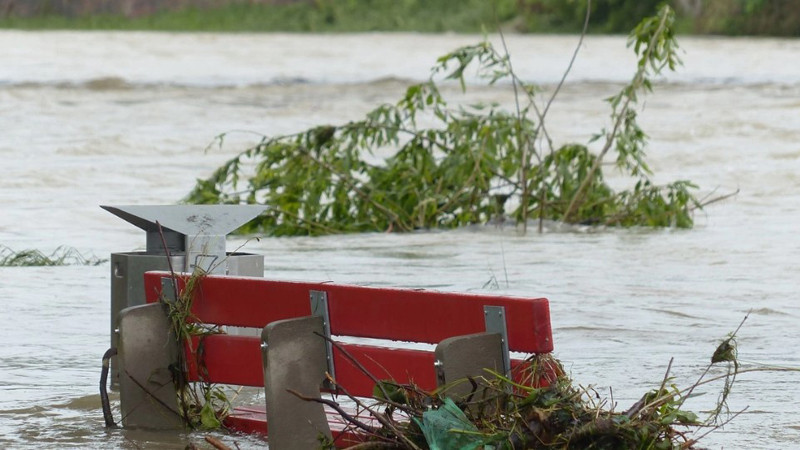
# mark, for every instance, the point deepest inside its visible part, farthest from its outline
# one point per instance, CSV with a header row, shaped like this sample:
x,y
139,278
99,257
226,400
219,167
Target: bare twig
x,y
666,375
584,30
750,370
642,405
688,393
378,416
345,415
746,316
383,420
542,196
216,443
360,367
720,425
522,141
703,204
705,372
169,260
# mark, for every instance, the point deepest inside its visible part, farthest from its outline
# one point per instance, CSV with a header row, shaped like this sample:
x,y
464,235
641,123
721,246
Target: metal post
x,y
319,308
495,317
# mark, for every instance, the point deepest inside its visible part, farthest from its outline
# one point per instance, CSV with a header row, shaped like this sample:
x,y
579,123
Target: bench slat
x,y
401,365
431,317
393,314
237,360
227,359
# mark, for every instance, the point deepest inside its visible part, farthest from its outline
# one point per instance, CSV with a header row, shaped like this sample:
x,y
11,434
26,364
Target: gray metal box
x,y
128,269
182,238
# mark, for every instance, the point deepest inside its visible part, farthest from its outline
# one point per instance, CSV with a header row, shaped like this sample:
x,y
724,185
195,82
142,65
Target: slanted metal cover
x,y
198,231
190,220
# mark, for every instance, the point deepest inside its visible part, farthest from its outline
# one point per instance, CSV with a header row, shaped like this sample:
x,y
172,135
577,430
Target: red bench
x,y
284,311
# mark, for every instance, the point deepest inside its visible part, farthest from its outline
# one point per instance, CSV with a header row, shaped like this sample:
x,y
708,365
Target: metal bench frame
x,y
471,332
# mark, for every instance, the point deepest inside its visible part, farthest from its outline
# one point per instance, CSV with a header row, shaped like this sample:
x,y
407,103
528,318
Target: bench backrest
x,y
364,312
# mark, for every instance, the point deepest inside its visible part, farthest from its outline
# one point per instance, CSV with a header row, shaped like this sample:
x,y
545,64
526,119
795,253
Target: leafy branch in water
x,y
446,166
61,256
654,44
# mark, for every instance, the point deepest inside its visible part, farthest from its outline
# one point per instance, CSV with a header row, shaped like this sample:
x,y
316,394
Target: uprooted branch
x,y
451,165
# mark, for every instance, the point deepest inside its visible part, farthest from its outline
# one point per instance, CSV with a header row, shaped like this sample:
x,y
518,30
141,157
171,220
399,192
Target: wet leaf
x,y
725,352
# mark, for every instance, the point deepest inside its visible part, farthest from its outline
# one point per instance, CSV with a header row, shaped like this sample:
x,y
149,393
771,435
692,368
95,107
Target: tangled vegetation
x,y
450,166
62,256
202,405
503,414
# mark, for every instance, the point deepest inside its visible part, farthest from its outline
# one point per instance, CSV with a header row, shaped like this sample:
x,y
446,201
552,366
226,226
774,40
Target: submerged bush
x,y
451,166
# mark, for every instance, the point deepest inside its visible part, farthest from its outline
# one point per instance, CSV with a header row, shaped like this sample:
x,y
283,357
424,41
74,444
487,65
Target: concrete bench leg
x,y
466,356
145,352
294,358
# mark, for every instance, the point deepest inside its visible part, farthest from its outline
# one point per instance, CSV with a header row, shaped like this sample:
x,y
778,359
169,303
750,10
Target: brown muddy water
x,y
125,118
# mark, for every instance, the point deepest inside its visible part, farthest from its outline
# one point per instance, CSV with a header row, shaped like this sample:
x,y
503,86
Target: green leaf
x,y
208,418
395,393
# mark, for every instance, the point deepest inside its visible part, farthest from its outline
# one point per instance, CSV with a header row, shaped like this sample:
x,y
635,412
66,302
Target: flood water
x,y
124,118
